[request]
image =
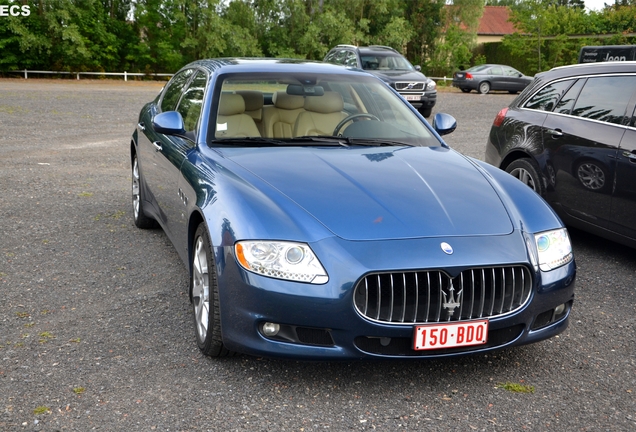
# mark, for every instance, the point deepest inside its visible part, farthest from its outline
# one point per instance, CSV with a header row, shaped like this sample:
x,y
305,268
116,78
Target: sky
x,y
597,5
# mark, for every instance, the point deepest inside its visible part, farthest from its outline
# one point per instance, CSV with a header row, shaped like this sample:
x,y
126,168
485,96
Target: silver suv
x,y
390,66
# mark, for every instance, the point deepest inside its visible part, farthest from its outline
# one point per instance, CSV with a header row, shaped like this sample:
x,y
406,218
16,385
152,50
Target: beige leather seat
x,y
322,114
279,119
231,121
253,106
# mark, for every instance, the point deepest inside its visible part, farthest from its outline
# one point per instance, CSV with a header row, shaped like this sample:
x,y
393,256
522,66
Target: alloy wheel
x,y
201,289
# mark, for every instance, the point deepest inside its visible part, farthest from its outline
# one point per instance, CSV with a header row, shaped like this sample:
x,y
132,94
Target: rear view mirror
x,y
305,90
169,123
444,123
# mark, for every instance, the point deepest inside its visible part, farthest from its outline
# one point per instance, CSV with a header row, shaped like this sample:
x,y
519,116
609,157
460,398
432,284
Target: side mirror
x,y
169,123
444,123
418,68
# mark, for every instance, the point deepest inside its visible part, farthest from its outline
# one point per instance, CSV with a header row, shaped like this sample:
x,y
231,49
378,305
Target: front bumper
x,y
428,99
321,321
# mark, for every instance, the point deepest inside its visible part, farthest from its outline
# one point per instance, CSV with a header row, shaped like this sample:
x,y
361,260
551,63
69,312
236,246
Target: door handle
x,y
141,126
556,133
630,155
157,145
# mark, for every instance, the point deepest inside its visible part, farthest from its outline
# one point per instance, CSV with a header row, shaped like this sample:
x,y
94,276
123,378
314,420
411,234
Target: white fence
x,y
127,74
124,74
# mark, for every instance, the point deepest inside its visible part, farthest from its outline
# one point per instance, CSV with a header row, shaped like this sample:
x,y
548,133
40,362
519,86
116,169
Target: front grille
x,y
433,296
409,86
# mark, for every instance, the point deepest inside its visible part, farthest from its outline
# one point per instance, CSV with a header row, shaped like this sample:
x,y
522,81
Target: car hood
x,y
362,193
399,75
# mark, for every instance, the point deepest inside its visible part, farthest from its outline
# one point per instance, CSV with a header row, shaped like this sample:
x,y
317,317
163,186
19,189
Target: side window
x,y
605,98
496,70
351,60
546,98
191,102
339,57
511,72
173,90
567,101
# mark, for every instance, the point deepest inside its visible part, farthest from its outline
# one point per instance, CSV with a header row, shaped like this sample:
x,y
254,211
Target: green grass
x,y
41,410
516,387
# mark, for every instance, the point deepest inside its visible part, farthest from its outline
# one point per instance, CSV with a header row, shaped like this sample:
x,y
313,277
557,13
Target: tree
x,y
455,49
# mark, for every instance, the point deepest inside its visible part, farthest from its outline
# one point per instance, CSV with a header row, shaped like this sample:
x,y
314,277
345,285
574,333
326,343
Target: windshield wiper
x,y
321,139
378,142
248,142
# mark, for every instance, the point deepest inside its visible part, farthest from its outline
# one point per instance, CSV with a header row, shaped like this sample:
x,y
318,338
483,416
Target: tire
x,y
466,90
592,176
204,292
426,112
484,87
527,171
141,220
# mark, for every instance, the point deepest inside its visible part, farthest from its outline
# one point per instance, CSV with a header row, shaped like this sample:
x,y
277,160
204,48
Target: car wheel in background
x,y
526,171
141,220
484,87
592,176
204,292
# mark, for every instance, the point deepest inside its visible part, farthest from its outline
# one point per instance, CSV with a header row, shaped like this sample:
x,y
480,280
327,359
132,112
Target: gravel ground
x,y
95,326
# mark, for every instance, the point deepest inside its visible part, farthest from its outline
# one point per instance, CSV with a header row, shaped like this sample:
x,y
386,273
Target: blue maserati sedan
x,y
321,217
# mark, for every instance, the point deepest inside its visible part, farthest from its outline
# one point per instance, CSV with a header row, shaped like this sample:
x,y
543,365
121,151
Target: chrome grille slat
x,y
379,298
483,294
425,296
439,298
391,302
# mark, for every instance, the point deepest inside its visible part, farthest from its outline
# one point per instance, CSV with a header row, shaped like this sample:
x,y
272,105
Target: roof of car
x,y
369,48
262,64
588,68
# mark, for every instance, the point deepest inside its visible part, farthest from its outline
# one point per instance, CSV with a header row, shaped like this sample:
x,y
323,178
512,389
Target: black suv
x,y
390,66
571,136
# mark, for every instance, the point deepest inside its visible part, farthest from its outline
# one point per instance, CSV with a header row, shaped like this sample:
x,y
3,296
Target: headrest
x,y
231,104
330,102
253,99
286,101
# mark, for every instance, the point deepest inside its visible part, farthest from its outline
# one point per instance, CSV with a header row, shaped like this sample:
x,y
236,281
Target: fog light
x,y
559,309
271,329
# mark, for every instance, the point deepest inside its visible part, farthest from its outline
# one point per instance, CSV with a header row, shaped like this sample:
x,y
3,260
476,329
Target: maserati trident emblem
x,y
448,249
450,301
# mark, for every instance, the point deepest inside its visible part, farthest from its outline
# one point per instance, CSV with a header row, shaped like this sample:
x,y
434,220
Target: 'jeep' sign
x,y
593,54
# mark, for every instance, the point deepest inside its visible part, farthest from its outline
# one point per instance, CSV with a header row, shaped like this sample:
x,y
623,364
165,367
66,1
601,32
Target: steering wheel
x,y
353,117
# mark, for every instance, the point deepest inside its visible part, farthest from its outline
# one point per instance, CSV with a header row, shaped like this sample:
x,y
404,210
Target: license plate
x,y
451,335
412,97
459,75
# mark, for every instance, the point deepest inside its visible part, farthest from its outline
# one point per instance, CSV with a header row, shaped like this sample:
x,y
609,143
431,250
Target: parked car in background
x,y
487,77
571,137
393,68
320,217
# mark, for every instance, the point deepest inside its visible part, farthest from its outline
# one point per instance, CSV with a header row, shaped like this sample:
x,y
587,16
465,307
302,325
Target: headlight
x,y
281,260
431,85
554,249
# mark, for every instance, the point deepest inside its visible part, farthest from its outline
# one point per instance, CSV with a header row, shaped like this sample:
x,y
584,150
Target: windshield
x,y
385,61
275,109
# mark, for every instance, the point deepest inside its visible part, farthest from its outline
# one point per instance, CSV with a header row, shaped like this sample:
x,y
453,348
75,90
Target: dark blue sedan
x,y
321,217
